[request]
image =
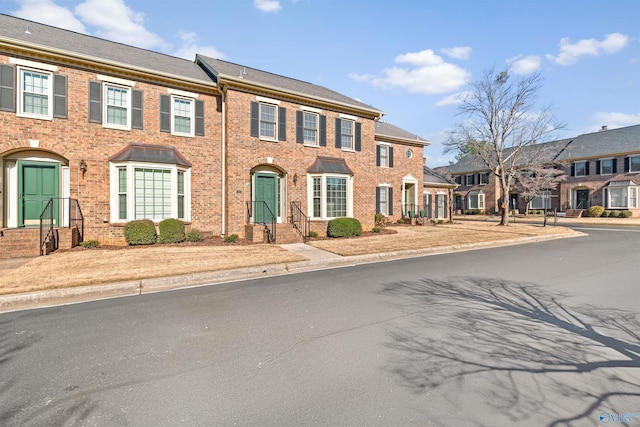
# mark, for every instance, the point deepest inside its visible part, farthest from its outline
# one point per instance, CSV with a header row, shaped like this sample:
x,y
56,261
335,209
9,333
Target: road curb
x,y
29,300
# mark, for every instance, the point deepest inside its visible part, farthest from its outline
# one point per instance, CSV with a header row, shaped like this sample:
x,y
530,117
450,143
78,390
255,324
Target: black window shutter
x,y
165,113
199,129
598,167
377,155
358,136
614,166
473,180
586,168
60,96
255,119
626,164
7,88
282,124
390,201
390,157
573,169
323,131
299,118
378,190
136,109
338,133
95,102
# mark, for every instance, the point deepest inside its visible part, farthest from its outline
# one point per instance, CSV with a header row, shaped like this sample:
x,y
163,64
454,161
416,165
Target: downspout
x,y
223,228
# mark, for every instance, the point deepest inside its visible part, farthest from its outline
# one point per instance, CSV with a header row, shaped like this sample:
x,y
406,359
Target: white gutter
x,y
224,160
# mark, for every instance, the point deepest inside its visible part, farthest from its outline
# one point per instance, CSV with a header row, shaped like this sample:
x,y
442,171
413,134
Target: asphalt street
x,y
541,334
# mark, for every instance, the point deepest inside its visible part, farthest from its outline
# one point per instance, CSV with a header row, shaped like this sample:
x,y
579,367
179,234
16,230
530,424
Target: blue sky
x,y
408,58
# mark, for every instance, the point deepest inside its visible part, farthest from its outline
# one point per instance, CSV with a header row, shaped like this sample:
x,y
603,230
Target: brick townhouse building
x,y
602,168
121,133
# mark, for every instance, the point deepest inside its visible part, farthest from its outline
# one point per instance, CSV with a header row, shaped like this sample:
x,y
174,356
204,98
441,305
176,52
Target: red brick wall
x,y
76,139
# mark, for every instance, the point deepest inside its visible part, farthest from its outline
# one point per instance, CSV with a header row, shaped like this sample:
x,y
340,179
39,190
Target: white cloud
x,y
524,64
267,5
47,12
115,21
614,120
458,52
570,52
189,47
452,99
426,73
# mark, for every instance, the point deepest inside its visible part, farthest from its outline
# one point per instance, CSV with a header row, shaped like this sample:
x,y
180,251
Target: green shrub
x,y
313,234
615,214
606,213
441,221
140,232
344,227
193,235
376,229
90,244
595,211
400,221
171,231
472,212
231,238
626,214
380,220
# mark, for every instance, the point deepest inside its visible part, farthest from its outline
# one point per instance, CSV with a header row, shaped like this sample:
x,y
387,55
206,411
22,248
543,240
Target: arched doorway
x,y
268,194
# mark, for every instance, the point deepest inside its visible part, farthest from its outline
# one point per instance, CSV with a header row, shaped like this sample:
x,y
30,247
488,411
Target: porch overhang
x,y
330,165
150,153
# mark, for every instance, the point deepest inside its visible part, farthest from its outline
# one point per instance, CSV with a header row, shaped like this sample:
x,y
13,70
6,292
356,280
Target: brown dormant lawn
x,y
99,266
442,235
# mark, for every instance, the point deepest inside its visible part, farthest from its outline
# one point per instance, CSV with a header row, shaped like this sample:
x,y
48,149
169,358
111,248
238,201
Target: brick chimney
x,y
603,128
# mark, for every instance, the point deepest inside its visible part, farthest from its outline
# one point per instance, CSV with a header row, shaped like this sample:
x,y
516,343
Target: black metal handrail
x,y
300,221
69,216
259,209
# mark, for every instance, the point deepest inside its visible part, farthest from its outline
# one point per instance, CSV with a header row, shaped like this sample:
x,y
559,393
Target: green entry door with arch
x,y
266,190
38,182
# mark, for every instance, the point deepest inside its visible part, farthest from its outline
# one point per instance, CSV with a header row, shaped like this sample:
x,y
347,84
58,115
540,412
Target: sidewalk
x,y
316,259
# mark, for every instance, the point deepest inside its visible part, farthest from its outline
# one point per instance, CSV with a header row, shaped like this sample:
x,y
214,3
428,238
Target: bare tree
x,y
502,113
534,179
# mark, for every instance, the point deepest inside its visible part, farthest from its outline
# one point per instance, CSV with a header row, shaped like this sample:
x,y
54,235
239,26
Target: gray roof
x,y
223,70
387,130
590,145
603,143
432,177
96,49
324,164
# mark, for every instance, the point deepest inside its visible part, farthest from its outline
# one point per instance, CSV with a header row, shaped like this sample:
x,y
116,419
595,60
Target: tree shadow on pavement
x,y
517,345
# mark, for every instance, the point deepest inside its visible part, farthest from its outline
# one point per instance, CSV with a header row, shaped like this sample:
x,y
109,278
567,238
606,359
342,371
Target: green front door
x,y
38,183
267,192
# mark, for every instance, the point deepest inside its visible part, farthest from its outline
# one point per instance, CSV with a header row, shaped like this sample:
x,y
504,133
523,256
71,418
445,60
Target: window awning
x,y
626,183
150,153
330,165
475,192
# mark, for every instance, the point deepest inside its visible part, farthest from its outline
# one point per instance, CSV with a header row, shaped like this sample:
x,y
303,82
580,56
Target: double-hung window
x,y
310,128
182,117
114,103
634,164
483,178
581,169
346,134
117,111
468,179
606,166
268,120
36,95
384,198
331,196
181,113
384,155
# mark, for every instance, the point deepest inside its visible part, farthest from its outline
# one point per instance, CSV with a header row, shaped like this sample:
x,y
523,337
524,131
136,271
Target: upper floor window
x,y
33,89
181,113
348,133
268,120
114,103
468,179
310,128
580,169
384,156
606,166
634,164
483,178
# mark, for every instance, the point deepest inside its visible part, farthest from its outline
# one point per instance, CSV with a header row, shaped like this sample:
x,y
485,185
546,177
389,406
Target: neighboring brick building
x,y
603,168
129,133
